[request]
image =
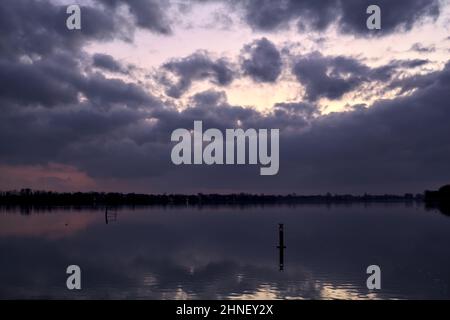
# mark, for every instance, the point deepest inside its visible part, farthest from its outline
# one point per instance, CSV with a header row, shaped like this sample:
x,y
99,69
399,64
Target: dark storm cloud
x,y
312,72
37,46
350,15
209,98
43,84
148,14
198,66
107,62
409,83
395,15
105,91
401,142
59,80
29,27
394,146
48,121
45,133
39,27
53,107
332,77
142,149
119,142
271,15
209,106
302,109
261,61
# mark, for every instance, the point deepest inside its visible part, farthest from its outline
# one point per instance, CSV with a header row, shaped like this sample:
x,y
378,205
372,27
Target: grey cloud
x,y
37,46
120,158
198,66
209,98
44,83
107,62
117,141
270,15
261,61
333,76
105,91
302,109
39,27
399,15
414,82
148,14
349,15
41,134
403,139
418,47
58,80
412,63
329,77
312,72
395,145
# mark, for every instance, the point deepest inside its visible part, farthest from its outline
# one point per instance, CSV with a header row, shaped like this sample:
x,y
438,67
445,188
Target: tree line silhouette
x,y
49,198
439,199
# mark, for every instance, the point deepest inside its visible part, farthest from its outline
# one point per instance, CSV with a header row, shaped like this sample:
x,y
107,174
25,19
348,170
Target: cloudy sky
x,y
93,109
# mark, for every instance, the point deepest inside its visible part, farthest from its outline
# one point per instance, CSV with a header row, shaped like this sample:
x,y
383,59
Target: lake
x,y
226,252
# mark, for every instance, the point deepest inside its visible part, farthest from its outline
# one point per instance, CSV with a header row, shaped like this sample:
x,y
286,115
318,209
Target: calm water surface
x,y
226,252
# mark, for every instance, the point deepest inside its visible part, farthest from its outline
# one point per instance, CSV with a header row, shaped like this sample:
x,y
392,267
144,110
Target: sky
x,y
93,109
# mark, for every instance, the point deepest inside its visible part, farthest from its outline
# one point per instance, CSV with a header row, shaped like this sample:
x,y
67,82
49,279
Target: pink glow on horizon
x,y
52,176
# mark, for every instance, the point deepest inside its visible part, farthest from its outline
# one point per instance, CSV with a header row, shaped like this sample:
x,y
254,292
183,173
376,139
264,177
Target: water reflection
x,y
212,253
110,216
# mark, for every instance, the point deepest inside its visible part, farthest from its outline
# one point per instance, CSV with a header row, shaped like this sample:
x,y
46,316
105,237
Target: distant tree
x,y
445,191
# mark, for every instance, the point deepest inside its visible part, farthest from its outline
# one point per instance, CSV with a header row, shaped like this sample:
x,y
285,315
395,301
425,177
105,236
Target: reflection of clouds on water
x,y
225,279
229,253
51,226
348,292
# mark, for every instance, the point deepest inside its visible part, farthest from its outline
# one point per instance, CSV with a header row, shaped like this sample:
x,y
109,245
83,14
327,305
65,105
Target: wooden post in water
x,y
281,245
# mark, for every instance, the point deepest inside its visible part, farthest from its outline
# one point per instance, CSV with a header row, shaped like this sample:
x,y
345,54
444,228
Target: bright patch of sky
x,y
221,32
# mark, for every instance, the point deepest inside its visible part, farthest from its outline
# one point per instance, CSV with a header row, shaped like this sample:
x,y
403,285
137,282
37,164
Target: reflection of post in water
x,y
281,245
110,216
